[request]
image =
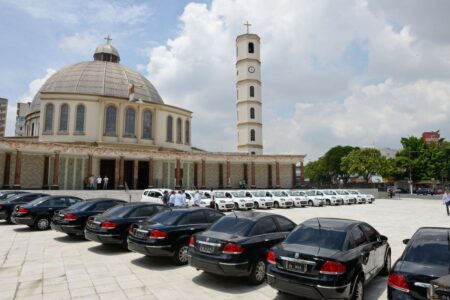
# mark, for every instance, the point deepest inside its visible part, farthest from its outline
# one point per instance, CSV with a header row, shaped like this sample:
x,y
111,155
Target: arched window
x,y
130,122
63,118
179,131
169,134
252,113
252,135
79,119
187,133
251,48
48,122
147,125
252,91
110,121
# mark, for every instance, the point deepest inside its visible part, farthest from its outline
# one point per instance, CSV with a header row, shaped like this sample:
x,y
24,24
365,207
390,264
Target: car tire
x,y
180,256
387,265
258,272
256,205
328,202
42,224
9,219
276,205
310,203
236,206
358,290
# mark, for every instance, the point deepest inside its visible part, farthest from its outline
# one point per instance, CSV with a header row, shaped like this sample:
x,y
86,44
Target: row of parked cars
x,y
321,258
227,200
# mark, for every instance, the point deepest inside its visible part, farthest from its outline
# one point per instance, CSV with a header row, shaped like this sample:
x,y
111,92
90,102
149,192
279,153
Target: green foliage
x,y
366,162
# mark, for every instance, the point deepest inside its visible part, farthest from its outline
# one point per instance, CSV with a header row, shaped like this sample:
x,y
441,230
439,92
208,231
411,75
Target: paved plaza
x,y
51,265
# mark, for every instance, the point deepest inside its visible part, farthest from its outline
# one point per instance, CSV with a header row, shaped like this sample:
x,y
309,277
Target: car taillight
x,y
271,257
108,225
157,234
232,248
1,206
70,217
22,210
332,268
130,229
398,281
192,241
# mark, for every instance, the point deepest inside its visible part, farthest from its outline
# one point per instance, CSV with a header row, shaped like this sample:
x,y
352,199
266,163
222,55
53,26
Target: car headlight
x,y
241,200
262,200
282,199
333,197
221,201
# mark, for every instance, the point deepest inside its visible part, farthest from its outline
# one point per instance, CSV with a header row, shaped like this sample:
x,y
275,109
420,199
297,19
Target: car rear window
x,y
429,253
317,237
231,224
118,211
82,205
169,217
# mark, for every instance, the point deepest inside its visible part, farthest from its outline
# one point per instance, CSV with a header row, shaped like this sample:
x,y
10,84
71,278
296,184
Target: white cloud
x,y
314,95
82,43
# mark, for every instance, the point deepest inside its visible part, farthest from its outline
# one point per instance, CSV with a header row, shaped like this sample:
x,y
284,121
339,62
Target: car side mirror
x,y
406,241
383,238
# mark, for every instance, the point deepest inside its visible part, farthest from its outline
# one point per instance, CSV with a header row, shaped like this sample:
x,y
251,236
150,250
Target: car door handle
x,y
266,240
365,256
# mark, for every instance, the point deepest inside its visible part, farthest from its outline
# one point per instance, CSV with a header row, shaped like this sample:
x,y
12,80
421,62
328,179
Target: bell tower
x,y
248,84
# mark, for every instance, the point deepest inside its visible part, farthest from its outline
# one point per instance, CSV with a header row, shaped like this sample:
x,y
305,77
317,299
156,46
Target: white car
x,y
205,202
298,197
223,202
314,199
360,198
332,198
368,197
153,196
241,201
259,199
348,198
279,198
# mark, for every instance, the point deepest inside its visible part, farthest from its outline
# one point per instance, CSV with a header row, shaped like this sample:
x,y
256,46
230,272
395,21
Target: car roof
x,y
341,224
432,233
104,199
251,215
139,203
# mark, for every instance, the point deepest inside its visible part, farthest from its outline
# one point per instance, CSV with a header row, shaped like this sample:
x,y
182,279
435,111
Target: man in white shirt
x,y
197,198
172,198
179,199
446,200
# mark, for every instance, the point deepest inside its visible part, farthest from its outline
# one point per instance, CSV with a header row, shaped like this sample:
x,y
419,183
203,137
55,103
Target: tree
x,y
316,171
365,162
332,162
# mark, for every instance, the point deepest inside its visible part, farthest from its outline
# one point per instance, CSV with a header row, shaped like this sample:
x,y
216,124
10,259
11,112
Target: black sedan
x,y
7,194
111,227
72,220
236,245
168,233
7,205
426,258
38,213
328,259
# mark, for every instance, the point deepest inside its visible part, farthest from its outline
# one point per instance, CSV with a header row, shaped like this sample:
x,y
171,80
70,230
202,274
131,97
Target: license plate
x,y
206,248
296,267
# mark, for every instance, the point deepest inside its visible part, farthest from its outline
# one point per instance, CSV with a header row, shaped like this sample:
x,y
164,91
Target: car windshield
x,y
278,194
327,238
81,206
342,192
238,194
329,193
354,192
310,193
118,211
232,224
169,217
259,194
429,253
220,195
293,193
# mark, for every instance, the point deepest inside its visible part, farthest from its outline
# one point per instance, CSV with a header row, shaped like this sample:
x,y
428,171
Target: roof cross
x,y
248,26
108,39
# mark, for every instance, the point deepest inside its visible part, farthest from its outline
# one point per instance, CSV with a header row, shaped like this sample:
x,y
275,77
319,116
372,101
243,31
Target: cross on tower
x,y
108,39
248,26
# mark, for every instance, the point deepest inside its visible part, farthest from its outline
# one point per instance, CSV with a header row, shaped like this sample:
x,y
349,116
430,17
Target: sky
x,y
334,72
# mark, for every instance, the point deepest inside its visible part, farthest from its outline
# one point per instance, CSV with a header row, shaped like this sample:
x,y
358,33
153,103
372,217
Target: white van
x,y
241,201
259,199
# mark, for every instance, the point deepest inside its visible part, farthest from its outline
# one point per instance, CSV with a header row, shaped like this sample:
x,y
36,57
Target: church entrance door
x,y
108,168
128,173
142,175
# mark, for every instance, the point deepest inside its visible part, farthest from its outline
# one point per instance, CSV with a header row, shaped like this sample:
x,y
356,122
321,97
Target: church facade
x,y
102,118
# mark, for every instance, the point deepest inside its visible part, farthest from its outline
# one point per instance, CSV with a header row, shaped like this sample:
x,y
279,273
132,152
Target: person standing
x,y
212,204
446,200
166,198
178,199
91,182
197,198
105,182
99,182
172,198
183,199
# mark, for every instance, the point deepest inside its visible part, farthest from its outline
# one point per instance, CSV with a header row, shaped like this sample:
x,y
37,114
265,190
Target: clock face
x,y
251,69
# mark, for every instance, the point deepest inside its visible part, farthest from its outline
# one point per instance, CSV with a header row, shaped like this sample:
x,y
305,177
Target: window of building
x,y
63,118
32,129
169,134
79,119
252,91
48,122
252,113
251,48
179,130
187,135
110,121
252,135
130,122
147,124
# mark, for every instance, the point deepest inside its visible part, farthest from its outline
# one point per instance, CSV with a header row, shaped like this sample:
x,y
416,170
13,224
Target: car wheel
x,y
358,290
387,265
328,202
236,206
310,203
42,224
258,273
125,243
276,205
9,219
180,257
256,205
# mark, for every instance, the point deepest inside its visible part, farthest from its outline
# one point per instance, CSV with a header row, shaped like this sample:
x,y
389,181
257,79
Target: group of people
x,y
98,183
179,199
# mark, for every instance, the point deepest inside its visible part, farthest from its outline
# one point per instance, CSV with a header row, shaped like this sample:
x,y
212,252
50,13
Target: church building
x,y
103,118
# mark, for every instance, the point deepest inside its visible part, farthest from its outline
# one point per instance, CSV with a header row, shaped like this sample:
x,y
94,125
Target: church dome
x,y
103,77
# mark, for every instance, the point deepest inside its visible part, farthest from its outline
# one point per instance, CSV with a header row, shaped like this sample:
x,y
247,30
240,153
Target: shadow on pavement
x,y
70,239
108,250
156,263
232,285
23,229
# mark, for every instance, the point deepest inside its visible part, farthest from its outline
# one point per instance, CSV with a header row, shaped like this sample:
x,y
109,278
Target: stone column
x,y
121,171
45,177
55,181
150,172
269,176
203,174
253,175
7,170
294,176
196,175
228,178
178,174
18,169
220,176
101,125
135,174
138,125
89,166
277,175
245,174
302,174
